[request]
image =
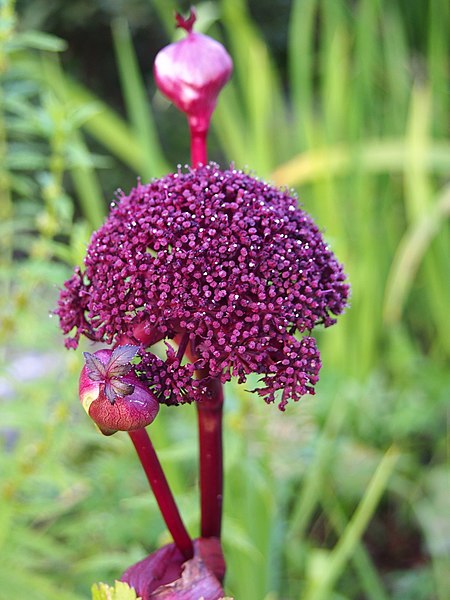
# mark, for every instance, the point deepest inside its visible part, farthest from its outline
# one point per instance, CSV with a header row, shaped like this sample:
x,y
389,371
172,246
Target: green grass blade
x,y
366,571
419,204
409,256
321,589
372,156
229,125
258,83
248,557
87,187
395,52
439,63
166,10
335,68
106,126
137,101
312,487
301,65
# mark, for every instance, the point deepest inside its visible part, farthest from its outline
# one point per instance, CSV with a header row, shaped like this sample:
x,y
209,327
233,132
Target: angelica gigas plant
x,y
232,276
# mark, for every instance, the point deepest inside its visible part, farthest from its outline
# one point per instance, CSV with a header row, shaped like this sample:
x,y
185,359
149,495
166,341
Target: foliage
x,y
345,495
120,591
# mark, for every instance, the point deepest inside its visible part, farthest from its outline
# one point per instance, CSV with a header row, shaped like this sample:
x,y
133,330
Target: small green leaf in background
x,y
120,591
38,40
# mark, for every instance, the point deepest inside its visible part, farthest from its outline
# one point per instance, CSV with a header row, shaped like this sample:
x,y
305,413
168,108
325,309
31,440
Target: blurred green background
x,y
346,495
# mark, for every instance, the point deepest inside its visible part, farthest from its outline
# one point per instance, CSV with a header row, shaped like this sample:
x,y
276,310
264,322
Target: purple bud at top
x,y
192,72
111,393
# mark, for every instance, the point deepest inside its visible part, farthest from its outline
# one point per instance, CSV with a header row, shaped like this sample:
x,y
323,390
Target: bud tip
x,y
186,24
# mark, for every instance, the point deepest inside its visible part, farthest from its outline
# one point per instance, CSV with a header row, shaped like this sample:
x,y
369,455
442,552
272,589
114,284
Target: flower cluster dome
x,y
223,263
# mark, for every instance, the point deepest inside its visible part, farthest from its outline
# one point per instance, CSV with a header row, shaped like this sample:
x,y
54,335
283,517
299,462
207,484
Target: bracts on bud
x,y
112,394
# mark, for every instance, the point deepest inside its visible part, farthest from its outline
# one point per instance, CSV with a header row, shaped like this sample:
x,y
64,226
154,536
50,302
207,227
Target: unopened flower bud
x,y
112,394
192,72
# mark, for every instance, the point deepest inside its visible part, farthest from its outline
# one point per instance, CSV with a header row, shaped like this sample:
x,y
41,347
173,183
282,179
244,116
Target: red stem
x,y
198,145
211,460
182,346
161,490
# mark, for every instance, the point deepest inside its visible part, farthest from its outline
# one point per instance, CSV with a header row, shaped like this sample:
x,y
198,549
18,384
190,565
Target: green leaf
x,y
137,101
25,160
36,40
120,591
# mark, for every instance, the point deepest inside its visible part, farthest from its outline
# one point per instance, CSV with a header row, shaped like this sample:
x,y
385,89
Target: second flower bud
x,y
111,393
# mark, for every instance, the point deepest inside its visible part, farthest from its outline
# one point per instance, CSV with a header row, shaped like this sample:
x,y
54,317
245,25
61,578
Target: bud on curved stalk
x,y
112,395
191,74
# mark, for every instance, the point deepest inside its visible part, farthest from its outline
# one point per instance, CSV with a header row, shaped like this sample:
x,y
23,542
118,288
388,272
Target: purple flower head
x,y
191,73
222,263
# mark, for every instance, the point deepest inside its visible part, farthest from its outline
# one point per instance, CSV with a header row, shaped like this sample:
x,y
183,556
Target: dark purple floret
x,y
73,304
220,260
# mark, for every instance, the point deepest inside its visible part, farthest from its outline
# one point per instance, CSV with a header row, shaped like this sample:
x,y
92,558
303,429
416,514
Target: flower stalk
x,y
160,487
209,413
199,154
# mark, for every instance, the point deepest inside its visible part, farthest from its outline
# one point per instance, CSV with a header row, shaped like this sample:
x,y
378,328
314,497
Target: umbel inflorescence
x,y
224,264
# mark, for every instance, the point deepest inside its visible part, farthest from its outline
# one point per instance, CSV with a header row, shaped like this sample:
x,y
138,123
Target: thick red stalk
x,y
199,154
182,346
161,490
211,460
